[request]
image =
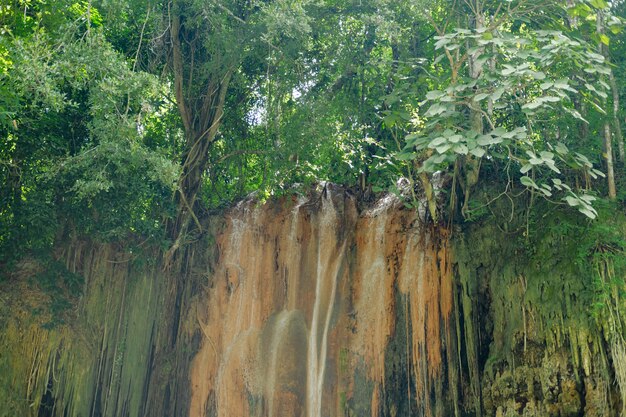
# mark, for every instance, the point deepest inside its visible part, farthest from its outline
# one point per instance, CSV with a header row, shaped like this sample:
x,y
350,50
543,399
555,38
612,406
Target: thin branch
x,y
88,17
229,12
177,63
143,28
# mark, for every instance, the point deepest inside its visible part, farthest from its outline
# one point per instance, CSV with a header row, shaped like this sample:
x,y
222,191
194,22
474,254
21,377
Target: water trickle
x,y
283,344
374,299
303,294
328,264
291,270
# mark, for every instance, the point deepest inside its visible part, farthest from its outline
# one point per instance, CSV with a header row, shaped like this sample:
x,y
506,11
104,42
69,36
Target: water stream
x,y
303,303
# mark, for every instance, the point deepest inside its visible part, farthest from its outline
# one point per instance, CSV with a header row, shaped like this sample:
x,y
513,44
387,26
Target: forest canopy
x,y
134,118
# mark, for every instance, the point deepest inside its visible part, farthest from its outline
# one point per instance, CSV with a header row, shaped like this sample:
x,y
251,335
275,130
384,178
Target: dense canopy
x,y
133,118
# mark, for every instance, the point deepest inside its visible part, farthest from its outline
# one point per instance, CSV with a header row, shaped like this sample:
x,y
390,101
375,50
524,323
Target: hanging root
x,y
618,353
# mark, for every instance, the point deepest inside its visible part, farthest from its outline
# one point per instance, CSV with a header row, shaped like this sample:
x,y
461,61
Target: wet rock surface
x,y
308,306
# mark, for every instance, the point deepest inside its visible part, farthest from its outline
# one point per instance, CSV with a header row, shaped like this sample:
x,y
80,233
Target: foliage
x,y
74,151
505,82
122,117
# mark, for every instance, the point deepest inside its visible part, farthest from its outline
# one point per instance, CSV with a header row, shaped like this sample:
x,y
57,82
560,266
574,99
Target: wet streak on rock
x,y
303,308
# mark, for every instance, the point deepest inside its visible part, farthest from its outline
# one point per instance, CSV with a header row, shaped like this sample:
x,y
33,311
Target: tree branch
x,y
177,64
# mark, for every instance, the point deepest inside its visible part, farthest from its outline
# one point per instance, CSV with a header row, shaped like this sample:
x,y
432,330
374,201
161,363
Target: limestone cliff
x,y
310,306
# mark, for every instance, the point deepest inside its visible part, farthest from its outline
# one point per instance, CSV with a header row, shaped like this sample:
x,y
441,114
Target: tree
x,y
208,43
72,133
506,66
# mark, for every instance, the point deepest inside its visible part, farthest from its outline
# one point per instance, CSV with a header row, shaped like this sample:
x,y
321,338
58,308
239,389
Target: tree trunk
x,y
608,143
616,123
471,164
572,20
610,174
201,119
471,169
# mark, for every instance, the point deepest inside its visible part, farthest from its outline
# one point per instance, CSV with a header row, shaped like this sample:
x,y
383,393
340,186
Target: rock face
x,y
307,307
303,309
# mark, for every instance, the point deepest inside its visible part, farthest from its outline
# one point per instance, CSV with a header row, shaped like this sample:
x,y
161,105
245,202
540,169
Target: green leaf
x,y
545,86
598,173
587,198
437,142
572,201
561,149
528,182
435,110
592,214
564,85
442,41
434,95
596,57
461,149
510,134
508,70
575,114
532,105
583,160
390,120
411,138
605,39
486,140
478,152
599,4
545,192
550,164
538,75
497,94
402,156
471,134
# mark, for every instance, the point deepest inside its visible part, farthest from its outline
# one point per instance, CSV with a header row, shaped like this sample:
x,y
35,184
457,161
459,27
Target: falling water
x,y
328,264
373,295
304,293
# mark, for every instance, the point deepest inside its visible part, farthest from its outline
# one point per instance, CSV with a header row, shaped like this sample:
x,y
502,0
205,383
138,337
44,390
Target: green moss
x,y
95,355
553,282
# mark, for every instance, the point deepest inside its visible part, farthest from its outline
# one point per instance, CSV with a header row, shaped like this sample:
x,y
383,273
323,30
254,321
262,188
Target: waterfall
x,y
301,311
328,264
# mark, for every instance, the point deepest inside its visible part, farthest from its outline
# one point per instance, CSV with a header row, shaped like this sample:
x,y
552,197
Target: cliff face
x,y
309,307
305,305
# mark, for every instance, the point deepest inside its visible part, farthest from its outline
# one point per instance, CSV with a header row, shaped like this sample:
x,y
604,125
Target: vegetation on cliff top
x,y
135,117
